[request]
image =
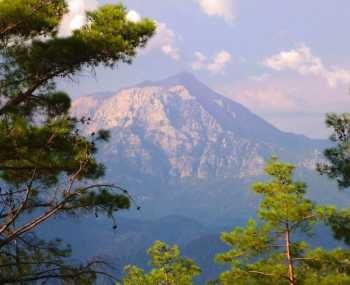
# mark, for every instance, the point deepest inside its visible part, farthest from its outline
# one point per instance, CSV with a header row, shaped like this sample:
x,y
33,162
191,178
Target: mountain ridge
x,y
189,80
186,79
179,127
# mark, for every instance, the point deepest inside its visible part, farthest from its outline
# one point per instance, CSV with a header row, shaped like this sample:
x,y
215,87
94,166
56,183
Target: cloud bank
x,y
133,16
302,61
216,65
76,17
219,8
265,98
166,41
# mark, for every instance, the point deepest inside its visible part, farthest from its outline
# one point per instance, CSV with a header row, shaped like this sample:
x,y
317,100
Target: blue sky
x,y
287,61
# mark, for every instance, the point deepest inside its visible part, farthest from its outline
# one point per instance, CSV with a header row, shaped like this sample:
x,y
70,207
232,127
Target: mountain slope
x,y
179,128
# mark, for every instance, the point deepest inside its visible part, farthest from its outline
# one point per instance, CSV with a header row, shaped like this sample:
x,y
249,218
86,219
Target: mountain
x,y
178,128
180,147
188,156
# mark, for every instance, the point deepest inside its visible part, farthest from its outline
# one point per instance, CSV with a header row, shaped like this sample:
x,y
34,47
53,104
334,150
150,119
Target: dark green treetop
x,y
47,167
338,157
337,167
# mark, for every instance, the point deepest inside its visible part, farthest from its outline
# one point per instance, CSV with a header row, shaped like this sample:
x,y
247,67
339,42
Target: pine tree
x,y
47,167
338,157
169,268
269,251
337,167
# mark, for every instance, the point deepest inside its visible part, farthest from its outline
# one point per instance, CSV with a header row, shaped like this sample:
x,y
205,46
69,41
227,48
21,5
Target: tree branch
x,y
21,207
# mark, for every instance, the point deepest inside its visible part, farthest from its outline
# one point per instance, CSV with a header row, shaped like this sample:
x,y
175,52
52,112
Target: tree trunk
x,y
289,256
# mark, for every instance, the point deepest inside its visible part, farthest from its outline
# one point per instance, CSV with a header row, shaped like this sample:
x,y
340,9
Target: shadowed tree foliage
x,y
269,252
36,261
47,167
168,268
337,168
338,157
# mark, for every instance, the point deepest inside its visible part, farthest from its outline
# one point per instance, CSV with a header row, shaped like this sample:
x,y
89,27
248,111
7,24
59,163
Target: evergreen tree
x,y
47,167
337,168
338,157
169,268
269,252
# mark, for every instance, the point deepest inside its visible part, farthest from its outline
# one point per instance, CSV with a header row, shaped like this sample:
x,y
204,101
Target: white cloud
x,y
220,61
133,16
264,98
166,41
302,61
200,61
292,103
219,8
76,17
337,76
216,65
171,51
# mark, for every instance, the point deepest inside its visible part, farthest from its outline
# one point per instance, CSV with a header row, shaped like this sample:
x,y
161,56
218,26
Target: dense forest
x,y
49,168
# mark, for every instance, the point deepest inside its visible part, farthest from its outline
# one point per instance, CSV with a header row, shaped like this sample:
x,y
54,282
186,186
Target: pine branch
x,y
21,207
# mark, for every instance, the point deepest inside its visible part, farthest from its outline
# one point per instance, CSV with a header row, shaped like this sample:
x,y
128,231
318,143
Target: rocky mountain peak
x,y
178,128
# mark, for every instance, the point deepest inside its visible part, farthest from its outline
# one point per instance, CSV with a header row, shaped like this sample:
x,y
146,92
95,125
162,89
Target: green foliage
x,y
108,39
326,267
47,167
340,224
268,252
338,166
39,260
51,149
169,268
30,18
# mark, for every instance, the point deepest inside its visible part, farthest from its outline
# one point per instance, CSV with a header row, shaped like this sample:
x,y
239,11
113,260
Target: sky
x,y
287,61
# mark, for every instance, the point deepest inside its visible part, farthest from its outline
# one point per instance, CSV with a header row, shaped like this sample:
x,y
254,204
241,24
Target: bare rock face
x,y
179,128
